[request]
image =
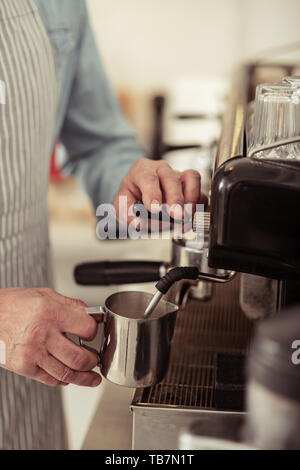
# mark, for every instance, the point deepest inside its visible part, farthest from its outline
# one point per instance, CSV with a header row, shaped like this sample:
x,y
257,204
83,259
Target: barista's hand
x,y
33,323
155,182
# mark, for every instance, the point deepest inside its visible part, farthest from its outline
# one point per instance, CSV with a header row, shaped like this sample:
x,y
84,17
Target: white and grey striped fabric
x,y
30,413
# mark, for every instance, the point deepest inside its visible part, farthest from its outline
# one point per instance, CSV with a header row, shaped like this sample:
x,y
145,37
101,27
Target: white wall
x,y
268,24
145,44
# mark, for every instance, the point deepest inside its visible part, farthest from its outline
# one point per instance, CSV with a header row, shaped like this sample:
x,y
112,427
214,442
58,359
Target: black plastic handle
x,y
117,272
162,216
175,275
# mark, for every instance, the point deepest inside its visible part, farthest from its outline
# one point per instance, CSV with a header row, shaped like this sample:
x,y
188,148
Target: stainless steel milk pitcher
x,y
133,351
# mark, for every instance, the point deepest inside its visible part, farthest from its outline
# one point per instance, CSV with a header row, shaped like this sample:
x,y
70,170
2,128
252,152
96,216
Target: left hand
x,y
155,183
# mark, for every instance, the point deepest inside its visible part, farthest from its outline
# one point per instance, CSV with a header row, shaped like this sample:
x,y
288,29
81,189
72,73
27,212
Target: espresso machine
x,y
251,259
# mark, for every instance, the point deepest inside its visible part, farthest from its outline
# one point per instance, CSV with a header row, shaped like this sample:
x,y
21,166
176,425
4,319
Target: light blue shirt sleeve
x,y
100,144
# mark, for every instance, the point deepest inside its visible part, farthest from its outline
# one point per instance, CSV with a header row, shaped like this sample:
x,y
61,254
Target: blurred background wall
x,y
146,44
267,24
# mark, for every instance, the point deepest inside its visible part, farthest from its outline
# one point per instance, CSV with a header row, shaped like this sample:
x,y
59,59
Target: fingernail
x,y
178,212
155,207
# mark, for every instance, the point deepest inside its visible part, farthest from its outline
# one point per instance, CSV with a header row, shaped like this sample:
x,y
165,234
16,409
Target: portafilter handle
x,y
106,273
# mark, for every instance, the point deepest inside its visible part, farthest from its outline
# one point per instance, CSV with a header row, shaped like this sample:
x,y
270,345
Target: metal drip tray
x,y
203,330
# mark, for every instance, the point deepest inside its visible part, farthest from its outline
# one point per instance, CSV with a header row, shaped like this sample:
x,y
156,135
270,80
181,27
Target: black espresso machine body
x,y
255,205
255,224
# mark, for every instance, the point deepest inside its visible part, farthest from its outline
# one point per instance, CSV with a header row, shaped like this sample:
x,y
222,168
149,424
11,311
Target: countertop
x,y
111,426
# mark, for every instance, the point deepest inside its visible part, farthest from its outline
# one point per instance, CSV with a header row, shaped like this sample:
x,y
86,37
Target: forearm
x,y
101,172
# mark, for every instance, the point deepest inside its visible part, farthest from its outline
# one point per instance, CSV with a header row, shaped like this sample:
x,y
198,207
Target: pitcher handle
x,y
98,313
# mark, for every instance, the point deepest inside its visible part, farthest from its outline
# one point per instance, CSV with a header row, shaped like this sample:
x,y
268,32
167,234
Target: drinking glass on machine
x,y
276,118
255,112
293,81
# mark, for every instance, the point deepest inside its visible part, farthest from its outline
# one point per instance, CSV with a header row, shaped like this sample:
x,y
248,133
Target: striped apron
x,y
30,413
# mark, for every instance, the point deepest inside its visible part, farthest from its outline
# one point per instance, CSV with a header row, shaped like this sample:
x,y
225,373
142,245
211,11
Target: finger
x,y
73,356
126,211
43,377
64,374
191,181
171,184
146,179
76,321
62,298
125,200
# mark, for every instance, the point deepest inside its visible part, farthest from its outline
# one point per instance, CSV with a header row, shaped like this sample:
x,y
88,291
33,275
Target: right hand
x,y
155,183
33,324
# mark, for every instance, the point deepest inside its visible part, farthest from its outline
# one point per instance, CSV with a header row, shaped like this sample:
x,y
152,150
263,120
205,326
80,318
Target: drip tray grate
x,y
203,329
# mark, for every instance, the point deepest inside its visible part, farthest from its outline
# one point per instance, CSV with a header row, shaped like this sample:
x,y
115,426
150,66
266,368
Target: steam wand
x,y
166,282
178,274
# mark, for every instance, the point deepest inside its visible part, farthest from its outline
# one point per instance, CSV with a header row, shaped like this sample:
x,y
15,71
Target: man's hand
x,y
33,324
155,183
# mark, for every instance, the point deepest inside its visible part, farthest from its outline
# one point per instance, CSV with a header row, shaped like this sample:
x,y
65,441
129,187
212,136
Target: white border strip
x,y
2,93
